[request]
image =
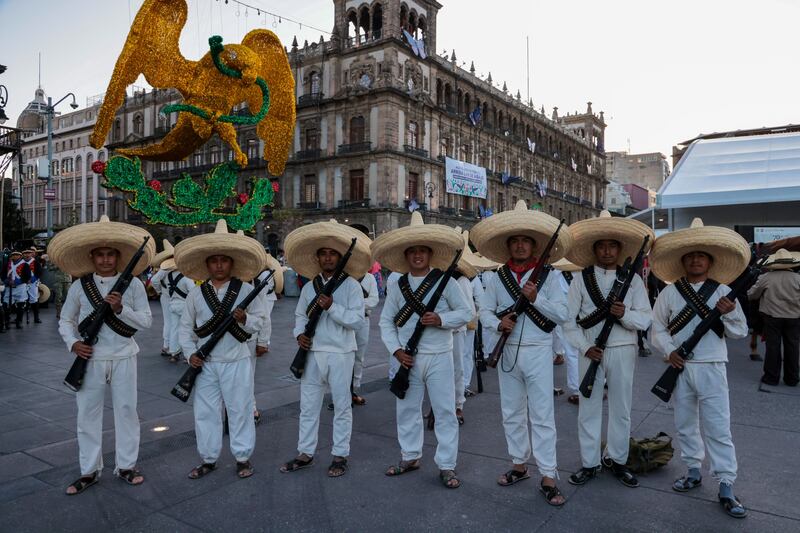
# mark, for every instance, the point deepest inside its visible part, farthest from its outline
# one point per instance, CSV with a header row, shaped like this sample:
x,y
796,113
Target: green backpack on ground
x,y
646,455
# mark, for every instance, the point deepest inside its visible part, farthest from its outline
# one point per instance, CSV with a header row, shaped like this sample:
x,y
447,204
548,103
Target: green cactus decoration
x,y
188,203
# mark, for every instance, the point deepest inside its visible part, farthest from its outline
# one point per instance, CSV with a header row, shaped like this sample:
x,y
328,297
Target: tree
x,y
15,226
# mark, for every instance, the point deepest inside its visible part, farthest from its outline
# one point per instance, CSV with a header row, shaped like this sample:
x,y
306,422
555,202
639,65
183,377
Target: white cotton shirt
x,y
369,284
268,292
550,301
177,303
637,317
710,349
157,278
110,345
453,310
197,313
466,287
336,327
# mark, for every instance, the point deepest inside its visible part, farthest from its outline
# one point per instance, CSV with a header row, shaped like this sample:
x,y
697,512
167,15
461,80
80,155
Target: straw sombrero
x,y
71,248
491,234
465,265
302,244
628,232
390,248
729,250
782,260
13,253
168,264
164,254
565,265
483,264
273,264
29,251
44,293
247,253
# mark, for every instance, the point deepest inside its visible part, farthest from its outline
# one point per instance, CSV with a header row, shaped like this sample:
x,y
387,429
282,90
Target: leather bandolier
x,y
173,285
695,306
96,300
514,290
221,310
318,285
601,303
414,299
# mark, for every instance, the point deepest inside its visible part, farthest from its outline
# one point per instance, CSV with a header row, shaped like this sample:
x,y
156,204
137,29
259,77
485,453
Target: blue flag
x,y
412,205
507,179
475,116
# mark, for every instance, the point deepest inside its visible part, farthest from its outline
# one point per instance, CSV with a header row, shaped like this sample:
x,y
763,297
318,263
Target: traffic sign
x,y
49,194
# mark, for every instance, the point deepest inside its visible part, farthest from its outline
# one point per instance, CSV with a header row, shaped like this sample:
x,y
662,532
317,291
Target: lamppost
x,y
50,111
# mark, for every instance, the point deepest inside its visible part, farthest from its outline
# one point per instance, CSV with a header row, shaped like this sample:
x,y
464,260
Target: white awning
x,y
736,170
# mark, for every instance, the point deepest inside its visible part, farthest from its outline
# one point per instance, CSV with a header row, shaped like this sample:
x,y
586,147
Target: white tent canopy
x,y
735,170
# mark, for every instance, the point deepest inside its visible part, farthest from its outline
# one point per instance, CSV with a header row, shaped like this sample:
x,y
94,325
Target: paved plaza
x,y
38,457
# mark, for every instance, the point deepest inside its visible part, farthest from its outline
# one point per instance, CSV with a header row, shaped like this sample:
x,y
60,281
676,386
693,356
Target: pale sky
x,y
663,72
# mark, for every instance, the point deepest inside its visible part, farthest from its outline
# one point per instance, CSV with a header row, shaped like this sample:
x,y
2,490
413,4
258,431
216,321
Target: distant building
x,y
648,170
618,199
640,197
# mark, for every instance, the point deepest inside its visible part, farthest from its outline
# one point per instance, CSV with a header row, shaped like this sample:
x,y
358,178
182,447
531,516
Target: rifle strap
x,y
414,299
567,276
363,290
173,285
319,285
515,291
602,304
96,300
263,276
221,310
695,306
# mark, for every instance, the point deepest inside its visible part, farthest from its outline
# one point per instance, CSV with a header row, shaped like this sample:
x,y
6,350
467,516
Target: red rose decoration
x,y
98,167
155,185
243,198
276,187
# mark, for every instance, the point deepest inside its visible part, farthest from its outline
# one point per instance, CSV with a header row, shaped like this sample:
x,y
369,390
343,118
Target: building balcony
x,y
451,211
310,205
413,150
467,213
421,205
304,155
354,148
354,204
572,199
586,203
309,100
360,40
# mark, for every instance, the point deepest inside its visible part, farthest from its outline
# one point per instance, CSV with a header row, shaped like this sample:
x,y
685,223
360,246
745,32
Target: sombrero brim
x,y
491,234
273,264
44,293
160,257
729,250
247,253
389,249
629,233
565,265
782,265
465,265
71,248
302,244
168,264
483,264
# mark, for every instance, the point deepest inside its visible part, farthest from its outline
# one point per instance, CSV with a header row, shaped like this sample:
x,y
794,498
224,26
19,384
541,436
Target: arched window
x,y
357,130
215,155
101,156
56,170
89,160
252,148
314,83
412,135
138,124
78,166
312,138
377,21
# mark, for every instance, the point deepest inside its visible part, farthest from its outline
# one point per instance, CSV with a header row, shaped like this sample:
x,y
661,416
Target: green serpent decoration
x,y
215,43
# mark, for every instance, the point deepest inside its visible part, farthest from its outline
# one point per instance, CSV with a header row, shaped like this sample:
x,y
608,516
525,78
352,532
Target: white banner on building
x,y
464,179
762,234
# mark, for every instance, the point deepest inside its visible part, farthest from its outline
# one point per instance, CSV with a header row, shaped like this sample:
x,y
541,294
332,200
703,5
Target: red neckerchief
x,y
521,269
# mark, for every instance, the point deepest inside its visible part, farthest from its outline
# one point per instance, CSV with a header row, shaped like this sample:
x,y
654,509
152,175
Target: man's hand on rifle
x,y
405,359
617,309
240,315
530,291
304,342
195,361
725,306
325,302
507,323
261,350
82,350
595,354
431,319
114,299
676,360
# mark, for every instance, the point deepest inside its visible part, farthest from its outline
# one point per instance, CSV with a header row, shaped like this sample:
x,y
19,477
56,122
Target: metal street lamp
x,y
50,111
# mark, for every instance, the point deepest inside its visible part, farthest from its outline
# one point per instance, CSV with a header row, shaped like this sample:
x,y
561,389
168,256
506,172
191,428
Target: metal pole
x,y
49,165
2,205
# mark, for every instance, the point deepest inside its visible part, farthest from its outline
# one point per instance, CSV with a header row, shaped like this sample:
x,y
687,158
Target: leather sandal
x,y
129,476
297,464
512,476
624,475
202,470
447,477
82,483
686,483
733,507
583,475
403,467
338,468
550,494
244,469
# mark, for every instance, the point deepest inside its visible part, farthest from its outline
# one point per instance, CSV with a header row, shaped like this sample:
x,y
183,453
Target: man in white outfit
x,y
565,274
159,284
369,287
601,245
525,370
177,288
111,361
315,251
269,295
697,262
414,250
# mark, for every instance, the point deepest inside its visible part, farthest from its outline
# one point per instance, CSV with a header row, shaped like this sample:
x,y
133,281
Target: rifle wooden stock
x,y
665,385
522,301
298,365
183,389
74,378
399,384
618,292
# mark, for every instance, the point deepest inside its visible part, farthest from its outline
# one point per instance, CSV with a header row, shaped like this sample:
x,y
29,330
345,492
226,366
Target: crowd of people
x,y
439,295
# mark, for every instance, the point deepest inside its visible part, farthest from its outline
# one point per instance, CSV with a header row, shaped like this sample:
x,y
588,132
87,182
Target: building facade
x,y
648,170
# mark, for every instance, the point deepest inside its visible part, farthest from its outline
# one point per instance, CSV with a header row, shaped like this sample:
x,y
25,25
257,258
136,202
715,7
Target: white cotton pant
x,y
167,318
561,346
526,395
121,375
335,370
251,346
362,340
232,383
701,397
174,340
19,294
33,292
468,357
459,338
616,369
434,372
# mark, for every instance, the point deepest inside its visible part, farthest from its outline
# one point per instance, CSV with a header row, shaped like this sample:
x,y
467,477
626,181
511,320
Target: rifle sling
x,y
96,299
602,305
515,291
221,310
173,285
414,299
319,285
695,306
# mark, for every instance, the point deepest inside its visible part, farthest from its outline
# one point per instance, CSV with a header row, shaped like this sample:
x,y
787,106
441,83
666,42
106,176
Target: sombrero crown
x,y
273,264
303,243
783,259
247,253
565,265
729,251
164,254
389,249
491,234
628,232
465,265
71,248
